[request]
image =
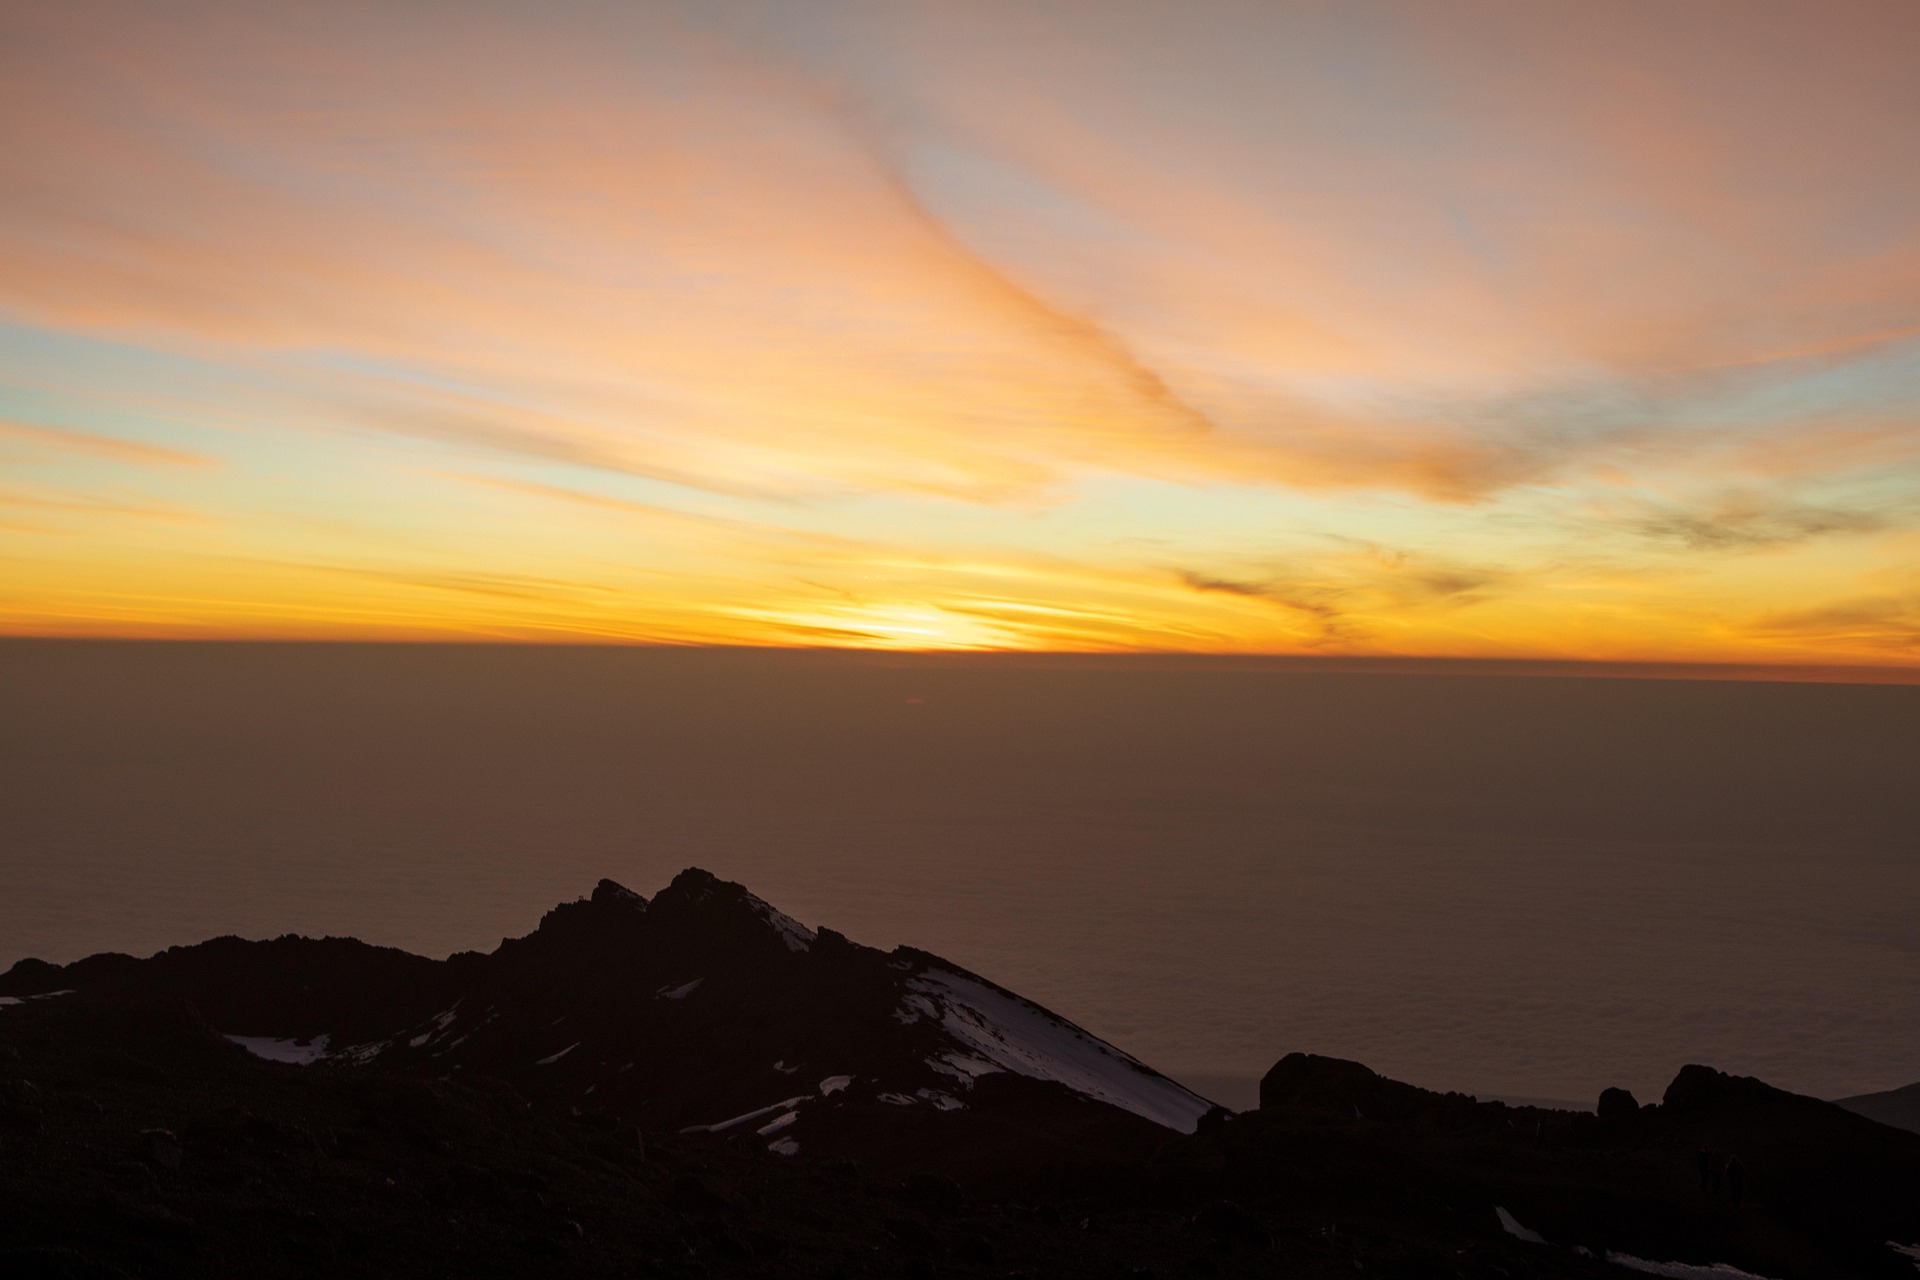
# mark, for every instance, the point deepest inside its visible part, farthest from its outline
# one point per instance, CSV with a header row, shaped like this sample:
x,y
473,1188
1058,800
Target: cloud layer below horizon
x,y
1467,330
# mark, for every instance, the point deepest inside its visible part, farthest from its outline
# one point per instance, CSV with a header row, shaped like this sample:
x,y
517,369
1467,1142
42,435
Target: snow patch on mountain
x,y
914,1008
1681,1270
1511,1225
1014,1034
299,1052
722,1125
962,1067
361,1054
796,935
778,1123
440,1023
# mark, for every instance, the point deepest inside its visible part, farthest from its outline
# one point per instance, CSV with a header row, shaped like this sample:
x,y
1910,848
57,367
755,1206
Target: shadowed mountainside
x,y
702,1007
698,1084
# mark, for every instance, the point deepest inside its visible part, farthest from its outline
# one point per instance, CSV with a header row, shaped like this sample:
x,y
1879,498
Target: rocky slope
x,y
702,1009
699,1085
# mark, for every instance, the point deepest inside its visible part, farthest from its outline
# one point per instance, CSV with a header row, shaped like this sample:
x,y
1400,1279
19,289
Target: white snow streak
x,y
834,1084
778,1123
961,1067
1019,1036
1680,1270
299,1052
680,992
550,1059
796,935
784,1147
44,995
787,1105
1513,1227
440,1022
914,1008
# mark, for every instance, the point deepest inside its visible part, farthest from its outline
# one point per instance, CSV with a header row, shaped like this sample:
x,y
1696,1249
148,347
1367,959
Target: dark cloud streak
x,y
1746,523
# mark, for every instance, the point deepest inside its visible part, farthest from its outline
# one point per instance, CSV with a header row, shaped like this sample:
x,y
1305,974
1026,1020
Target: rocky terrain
x,y
699,1085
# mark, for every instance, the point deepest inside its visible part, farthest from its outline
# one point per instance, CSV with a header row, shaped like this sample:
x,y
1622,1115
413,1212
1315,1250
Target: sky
x,y
1522,330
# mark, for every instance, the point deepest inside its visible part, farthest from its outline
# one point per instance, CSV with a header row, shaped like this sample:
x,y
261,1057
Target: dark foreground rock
x,y
825,1110
136,1141
702,1007
1725,1170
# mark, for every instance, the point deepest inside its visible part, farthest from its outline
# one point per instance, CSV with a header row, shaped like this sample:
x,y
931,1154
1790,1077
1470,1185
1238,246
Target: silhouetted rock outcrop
x,y
1309,1082
1726,1169
703,1007
1616,1105
698,1084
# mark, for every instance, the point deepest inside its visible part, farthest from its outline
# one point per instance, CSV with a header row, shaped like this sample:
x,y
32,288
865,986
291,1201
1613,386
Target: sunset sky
x,y
1501,330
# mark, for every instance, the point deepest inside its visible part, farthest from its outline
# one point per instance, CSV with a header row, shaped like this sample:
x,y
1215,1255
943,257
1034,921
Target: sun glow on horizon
x,y
1528,331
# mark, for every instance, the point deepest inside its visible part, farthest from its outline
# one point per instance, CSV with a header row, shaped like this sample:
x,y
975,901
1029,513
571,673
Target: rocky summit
x,y
697,1084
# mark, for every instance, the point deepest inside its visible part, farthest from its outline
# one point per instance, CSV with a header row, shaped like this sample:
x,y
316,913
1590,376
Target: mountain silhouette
x,y
704,1007
697,1084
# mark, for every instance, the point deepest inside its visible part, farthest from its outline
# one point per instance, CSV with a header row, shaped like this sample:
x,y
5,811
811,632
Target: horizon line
x,y
1154,659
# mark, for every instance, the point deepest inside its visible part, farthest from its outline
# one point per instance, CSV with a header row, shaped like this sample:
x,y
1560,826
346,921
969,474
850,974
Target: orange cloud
x,y
984,324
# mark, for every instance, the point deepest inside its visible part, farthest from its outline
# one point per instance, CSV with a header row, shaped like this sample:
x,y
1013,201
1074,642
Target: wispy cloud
x,y
1353,592
1227,586
989,324
62,440
501,585
1329,622
1747,522
1890,622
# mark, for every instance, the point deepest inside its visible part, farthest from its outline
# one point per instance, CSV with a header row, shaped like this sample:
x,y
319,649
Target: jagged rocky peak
x,y
698,898
1311,1080
1698,1087
1336,1086
1617,1105
29,974
611,914
612,893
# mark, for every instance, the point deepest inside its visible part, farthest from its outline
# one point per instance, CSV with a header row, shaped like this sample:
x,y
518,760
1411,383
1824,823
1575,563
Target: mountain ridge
x,y
695,1083
701,1003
